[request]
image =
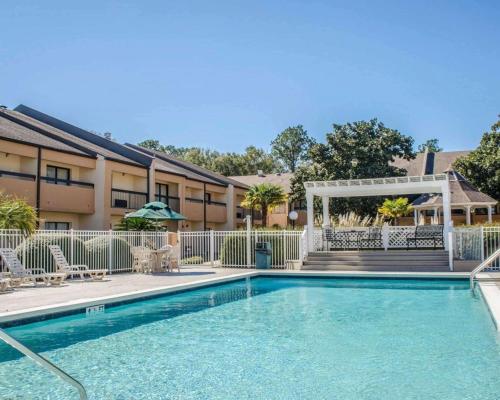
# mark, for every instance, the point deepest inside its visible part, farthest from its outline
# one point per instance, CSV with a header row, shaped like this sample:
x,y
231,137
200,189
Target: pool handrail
x,y
483,265
44,363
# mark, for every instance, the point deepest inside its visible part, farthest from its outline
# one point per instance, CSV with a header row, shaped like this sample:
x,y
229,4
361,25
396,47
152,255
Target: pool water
x,y
271,338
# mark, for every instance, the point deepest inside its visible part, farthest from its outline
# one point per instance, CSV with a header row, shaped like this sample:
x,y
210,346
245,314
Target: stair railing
x,y
482,266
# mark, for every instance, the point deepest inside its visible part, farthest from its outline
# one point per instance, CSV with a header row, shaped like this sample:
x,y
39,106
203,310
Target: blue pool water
x,y
283,338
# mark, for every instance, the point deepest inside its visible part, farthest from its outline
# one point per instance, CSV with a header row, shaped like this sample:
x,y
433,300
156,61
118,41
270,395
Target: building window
x,y
57,226
162,193
58,175
208,198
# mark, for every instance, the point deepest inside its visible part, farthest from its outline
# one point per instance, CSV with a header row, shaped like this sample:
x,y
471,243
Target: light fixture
x,y
354,162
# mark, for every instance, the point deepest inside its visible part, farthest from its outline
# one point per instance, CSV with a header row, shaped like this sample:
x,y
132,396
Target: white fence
x,y
476,243
237,248
109,250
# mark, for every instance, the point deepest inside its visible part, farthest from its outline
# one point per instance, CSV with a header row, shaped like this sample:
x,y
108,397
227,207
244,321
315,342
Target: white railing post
x,y
481,244
249,241
110,256
71,245
179,243
450,249
385,236
212,248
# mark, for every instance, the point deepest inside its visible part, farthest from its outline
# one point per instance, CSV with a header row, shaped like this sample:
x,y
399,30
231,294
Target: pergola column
x,y
490,214
326,211
310,220
436,215
467,215
446,213
415,216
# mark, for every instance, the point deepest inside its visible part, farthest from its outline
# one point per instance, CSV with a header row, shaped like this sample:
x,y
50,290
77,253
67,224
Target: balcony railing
x,y
127,199
174,203
193,200
243,212
18,175
67,182
217,203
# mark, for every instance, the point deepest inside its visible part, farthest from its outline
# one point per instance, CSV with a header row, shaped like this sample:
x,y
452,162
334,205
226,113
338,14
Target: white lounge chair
x,y
4,283
63,266
20,274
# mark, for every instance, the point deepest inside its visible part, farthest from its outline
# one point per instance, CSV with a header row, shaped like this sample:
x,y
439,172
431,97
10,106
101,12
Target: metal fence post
x,y
482,242
249,241
110,258
212,248
71,246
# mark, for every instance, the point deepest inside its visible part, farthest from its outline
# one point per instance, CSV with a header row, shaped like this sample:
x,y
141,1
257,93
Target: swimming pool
x,y
271,338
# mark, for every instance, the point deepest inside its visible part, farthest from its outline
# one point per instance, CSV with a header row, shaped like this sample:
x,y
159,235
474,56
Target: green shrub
x,y
192,260
37,251
98,253
233,250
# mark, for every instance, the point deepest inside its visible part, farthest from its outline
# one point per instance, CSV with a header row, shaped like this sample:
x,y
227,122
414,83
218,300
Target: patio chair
x,y
20,274
371,239
63,266
4,283
330,236
170,259
426,234
141,259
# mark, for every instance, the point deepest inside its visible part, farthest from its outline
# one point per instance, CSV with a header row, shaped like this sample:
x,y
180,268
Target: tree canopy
x,y
362,149
264,197
228,164
16,213
432,145
291,146
482,166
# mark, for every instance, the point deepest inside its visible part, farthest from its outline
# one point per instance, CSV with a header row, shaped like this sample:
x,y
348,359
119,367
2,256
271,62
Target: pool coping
x,y
491,295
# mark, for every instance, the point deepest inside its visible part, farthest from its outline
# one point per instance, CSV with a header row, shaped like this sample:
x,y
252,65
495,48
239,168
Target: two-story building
x,y
77,179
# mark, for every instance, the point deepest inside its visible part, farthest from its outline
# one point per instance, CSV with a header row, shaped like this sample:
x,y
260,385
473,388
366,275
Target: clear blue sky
x,y
227,74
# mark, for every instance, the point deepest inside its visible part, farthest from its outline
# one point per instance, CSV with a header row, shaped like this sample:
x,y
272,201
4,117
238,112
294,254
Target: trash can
x,y
263,253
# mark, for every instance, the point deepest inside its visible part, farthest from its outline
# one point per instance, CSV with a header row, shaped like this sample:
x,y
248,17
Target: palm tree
x,y
264,197
394,209
15,213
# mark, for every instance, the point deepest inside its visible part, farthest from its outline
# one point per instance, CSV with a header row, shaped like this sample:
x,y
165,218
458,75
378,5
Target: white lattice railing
x,y
237,248
109,250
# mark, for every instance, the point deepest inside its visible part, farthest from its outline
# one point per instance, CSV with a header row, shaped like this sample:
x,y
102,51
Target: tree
x,y
482,166
432,146
395,209
16,213
292,146
227,164
363,149
264,197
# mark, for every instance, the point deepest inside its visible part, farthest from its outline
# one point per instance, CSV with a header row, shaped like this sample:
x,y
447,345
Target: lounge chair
x,y
426,234
21,275
4,283
63,266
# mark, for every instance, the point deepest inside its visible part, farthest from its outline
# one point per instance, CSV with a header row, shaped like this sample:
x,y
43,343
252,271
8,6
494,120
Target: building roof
x,y
281,179
200,173
429,163
11,130
462,192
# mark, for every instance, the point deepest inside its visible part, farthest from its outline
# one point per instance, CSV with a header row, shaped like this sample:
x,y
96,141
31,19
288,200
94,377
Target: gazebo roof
x,y
462,193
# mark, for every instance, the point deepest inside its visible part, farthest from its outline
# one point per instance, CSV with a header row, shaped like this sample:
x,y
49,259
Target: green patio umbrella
x,y
156,211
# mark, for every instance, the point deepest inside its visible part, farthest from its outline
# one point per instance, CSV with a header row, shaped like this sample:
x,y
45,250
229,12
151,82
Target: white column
x,y
490,214
436,216
446,213
415,216
467,215
326,211
310,221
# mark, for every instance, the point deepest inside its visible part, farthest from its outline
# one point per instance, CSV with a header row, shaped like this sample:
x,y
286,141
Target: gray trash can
x,y
263,253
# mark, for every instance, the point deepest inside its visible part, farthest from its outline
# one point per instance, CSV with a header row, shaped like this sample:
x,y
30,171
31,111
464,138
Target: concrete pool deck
x,y
27,302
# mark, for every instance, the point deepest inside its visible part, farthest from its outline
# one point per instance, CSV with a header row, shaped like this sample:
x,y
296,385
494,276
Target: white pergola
x,y
400,185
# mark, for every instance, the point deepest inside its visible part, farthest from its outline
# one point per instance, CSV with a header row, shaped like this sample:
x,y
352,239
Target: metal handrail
x,y
483,265
43,362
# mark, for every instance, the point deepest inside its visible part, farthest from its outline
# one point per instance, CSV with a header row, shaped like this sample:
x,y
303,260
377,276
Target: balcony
x,y
128,199
20,185
193,209
65,195
241,213
216,212
173,202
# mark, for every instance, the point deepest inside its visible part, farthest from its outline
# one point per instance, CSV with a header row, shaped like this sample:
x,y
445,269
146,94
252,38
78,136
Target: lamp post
x,y
293,215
